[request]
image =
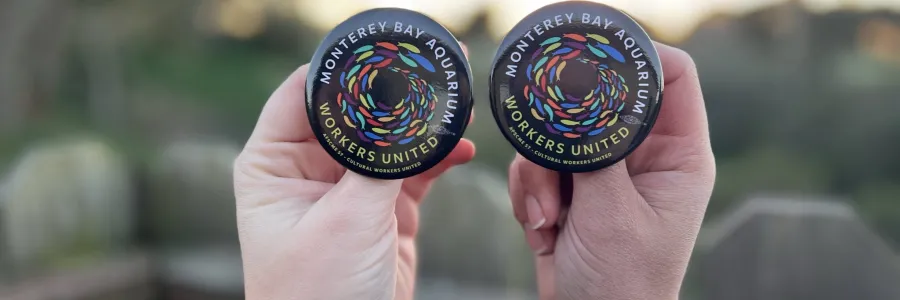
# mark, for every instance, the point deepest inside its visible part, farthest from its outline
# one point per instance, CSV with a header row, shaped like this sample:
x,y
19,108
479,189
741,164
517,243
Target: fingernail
x,y
536,242
536,217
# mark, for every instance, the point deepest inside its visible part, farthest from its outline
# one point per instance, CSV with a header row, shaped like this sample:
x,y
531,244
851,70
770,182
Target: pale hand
x,y
310,229
627,231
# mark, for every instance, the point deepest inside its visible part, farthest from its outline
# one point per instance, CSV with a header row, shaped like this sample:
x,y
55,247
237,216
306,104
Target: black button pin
x,y
576,86
389,93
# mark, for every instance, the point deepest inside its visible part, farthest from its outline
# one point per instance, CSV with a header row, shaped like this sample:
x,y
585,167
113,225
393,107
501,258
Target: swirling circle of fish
x,y
564,114
374,121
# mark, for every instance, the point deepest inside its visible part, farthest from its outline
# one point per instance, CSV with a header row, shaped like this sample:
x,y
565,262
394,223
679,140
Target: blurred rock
x,y
191,219
191,198
63,199
789,248
469,234
200,273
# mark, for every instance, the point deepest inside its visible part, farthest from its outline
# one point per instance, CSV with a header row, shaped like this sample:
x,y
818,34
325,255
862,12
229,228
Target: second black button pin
x,y
576,86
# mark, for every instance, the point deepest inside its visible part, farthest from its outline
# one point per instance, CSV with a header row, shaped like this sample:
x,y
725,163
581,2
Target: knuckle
x,y
686,58
690,65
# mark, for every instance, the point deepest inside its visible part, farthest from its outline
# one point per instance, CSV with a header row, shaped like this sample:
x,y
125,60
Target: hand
x,y
309,229
627,231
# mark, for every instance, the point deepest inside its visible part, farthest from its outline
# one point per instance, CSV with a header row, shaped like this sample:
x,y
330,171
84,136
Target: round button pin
x,y
389,93
576,86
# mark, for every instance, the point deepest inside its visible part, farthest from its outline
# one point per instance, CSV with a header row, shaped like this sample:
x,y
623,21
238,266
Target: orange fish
x,y
364,112
575,37
364,72
562,114
551,64
411,132
388,46
571,55
383,63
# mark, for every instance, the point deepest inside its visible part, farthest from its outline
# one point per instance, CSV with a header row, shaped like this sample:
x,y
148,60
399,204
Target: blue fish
x,y
562,51
365,79
552,74
375,59
596,131
562,128
615,54
422,61
373,136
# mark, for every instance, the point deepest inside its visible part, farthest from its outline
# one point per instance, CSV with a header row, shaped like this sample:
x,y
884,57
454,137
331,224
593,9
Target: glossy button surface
x,y
389,93
576,86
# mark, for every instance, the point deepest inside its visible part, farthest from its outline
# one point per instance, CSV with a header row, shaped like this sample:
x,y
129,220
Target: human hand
x,y
627,231
308,228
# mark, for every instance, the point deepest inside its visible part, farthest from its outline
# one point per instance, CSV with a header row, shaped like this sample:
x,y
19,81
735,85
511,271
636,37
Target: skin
x,y
310,229
627,231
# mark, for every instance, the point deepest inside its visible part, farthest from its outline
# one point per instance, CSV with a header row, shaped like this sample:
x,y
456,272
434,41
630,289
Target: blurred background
x,y
119,121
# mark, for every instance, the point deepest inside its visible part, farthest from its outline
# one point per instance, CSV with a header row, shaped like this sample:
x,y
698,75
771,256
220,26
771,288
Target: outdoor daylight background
x,y
120,120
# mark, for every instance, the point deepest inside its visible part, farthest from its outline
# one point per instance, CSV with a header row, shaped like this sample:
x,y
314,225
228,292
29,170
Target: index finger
x,y
283,118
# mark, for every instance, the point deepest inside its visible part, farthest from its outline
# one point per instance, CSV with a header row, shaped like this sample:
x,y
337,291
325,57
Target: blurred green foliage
x,y
797,104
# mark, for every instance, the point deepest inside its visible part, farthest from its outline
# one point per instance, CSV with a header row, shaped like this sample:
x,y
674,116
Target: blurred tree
x,y
32,33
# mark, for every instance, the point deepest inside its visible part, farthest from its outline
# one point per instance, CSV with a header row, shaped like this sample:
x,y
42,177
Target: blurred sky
x,y
672,19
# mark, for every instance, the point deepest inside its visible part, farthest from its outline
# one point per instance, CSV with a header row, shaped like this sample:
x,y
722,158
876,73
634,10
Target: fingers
x,y
535,195
418,185
679,140
541,241
680,130
463,153
678,147
359,204
284,119
683,111
546,284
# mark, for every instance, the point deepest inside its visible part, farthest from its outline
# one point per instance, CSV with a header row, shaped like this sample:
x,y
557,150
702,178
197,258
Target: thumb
x,y
359,204
605,196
